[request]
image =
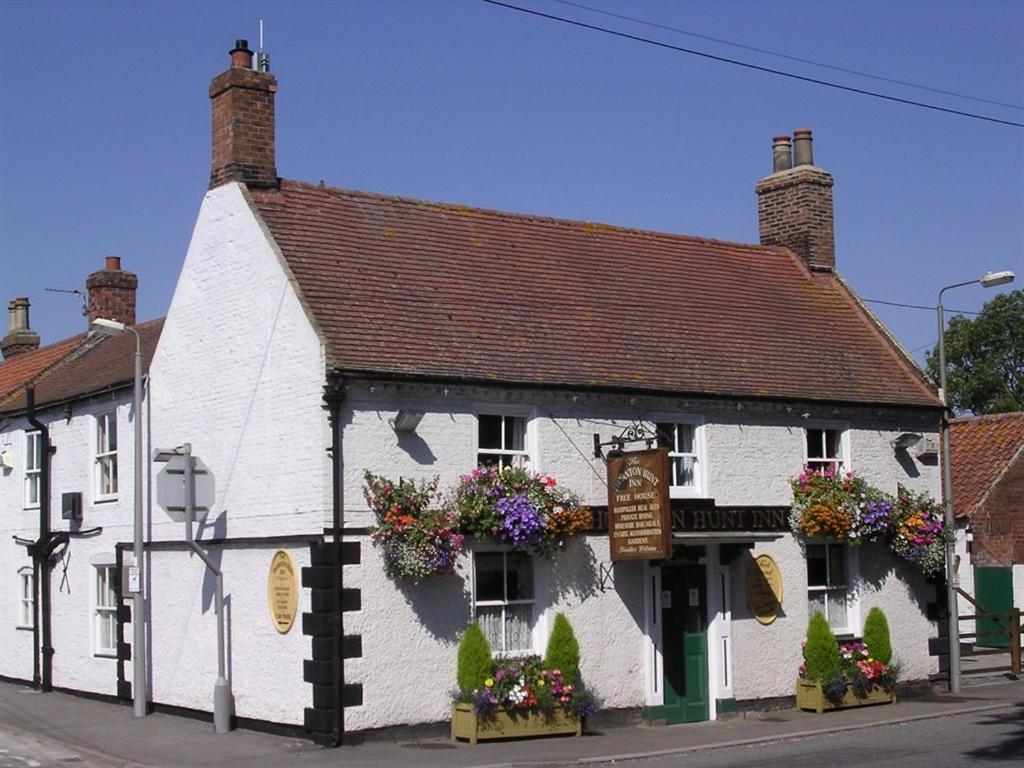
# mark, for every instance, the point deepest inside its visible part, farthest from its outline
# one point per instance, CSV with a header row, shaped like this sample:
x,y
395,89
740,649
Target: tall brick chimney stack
x,y
112,293
243,123
20,338
794,204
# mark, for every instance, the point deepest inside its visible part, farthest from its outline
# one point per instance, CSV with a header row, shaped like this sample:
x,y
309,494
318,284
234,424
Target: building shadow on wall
x,y
441,603
417,448
574,573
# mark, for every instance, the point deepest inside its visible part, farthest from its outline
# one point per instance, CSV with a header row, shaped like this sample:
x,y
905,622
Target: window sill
x,y
24,628
31,507
105,654
101,500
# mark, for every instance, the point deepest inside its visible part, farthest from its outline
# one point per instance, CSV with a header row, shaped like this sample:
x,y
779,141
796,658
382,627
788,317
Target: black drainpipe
x,y
41,550
336,396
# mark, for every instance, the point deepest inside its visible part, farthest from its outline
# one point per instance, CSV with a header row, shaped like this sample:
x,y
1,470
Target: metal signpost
x,y
185,486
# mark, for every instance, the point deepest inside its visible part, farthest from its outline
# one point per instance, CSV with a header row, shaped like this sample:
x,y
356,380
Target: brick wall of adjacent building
x,y
998,522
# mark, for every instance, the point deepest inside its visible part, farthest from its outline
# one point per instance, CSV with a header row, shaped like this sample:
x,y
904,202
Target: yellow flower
x,y
489,682
540,683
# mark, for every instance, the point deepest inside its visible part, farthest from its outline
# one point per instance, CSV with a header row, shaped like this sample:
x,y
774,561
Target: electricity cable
x,y
767,52
747,65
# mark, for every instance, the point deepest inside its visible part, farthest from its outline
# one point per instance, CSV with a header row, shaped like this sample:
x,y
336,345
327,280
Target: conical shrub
x,y
475,663
563,651
821,652
876,636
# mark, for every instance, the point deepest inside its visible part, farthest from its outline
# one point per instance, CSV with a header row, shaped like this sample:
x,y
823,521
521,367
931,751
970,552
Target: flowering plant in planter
x,y
842,506
918,531
844,668
417,541
523,685
516,507
838,505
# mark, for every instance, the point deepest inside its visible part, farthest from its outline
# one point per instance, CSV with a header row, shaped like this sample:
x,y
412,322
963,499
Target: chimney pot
x,y
241,56
113,263
802,151
782,154
20,338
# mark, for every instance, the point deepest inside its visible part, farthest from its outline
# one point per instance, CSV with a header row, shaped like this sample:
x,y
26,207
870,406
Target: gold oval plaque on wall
x,y
764,589
282,591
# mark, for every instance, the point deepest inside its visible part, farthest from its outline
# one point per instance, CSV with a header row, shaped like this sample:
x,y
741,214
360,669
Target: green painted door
x,y
685,643
993,589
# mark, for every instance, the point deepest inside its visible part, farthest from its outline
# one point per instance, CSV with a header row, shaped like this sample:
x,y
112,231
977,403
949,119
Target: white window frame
x,y
841,461
699,454
33,468
26,598
537,625
104,608
851,577
524,458
102,454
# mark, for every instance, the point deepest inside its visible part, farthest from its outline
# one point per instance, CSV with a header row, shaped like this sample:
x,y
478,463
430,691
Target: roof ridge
x,y
987,417
533,217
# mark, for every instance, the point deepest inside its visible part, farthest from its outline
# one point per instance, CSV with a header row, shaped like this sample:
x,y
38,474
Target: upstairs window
x,y
503,599
33,468
501,441
681,440
824,450
105,462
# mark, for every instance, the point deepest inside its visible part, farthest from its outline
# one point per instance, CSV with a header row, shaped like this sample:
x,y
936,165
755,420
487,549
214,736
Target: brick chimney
x,y
112,293
243,123
794,204
20,338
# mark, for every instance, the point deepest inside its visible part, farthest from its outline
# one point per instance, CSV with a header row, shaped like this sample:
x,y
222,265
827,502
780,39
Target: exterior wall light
x,y
406,421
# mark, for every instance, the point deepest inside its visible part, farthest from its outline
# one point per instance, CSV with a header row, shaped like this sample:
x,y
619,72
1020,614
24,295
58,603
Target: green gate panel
x,y
993,589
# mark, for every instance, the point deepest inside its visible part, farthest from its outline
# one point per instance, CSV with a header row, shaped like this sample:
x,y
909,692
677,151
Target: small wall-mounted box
x,y
928,448
71,506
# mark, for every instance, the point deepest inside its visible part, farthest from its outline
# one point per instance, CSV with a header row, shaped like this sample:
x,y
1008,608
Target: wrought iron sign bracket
x,y
606,576
634,433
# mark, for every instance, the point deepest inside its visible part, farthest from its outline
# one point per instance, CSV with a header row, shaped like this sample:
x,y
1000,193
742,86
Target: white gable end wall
x,y
239,374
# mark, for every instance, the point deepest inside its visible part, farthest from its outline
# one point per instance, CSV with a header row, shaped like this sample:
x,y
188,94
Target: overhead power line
x,y
919,306
767,52
747,65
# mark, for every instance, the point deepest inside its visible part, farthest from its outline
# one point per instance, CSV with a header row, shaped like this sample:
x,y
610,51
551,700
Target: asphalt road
x,y
26,751
988,738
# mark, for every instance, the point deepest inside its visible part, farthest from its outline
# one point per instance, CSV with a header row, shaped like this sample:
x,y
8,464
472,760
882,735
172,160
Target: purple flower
x,y
521,524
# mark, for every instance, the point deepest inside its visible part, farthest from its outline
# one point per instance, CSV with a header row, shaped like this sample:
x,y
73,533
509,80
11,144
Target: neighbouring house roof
x,y
91,364
981,448
410,288
23,368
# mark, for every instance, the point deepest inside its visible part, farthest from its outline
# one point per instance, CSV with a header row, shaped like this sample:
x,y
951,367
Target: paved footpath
x,y
93,733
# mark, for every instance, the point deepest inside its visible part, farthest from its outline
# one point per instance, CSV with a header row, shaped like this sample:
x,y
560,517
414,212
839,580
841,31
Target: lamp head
x,y
108,327
992,279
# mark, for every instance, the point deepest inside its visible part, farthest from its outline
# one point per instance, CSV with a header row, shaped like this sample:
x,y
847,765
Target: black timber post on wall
x,y
329,600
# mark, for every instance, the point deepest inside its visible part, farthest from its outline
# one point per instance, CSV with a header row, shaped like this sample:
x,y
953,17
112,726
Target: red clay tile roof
x,y
99,363
406,287
980,450
19,370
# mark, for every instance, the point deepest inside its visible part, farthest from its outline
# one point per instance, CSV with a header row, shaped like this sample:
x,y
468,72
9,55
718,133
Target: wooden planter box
x,y
810,696
466,725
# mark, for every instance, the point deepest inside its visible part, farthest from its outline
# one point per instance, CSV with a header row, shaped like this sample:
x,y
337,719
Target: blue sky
x,y
104,127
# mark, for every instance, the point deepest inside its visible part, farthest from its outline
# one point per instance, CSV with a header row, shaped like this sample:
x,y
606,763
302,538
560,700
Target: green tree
x,y
475,663
876,635
985,358
563,651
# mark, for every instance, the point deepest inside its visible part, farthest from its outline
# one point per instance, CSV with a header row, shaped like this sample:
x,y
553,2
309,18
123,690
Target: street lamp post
x,y
114,328
988,280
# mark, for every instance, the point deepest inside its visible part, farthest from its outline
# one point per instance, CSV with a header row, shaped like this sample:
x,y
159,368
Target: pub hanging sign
x,y
639,516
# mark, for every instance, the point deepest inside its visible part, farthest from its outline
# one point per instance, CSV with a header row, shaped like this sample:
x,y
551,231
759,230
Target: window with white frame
x,y
504,599
26,598
105,612
824,450
105,462
829,566
33,467
681,440
501,441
